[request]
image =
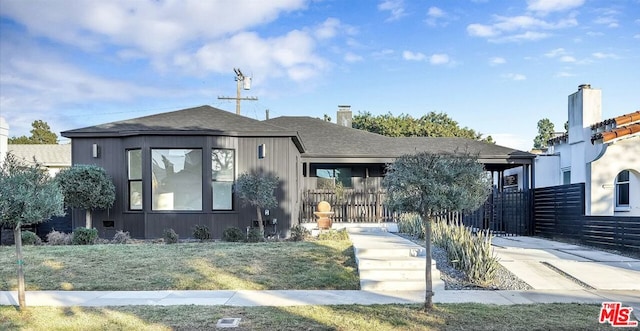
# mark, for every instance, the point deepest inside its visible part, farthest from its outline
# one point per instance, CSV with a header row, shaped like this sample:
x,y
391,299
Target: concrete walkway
x,y
609,277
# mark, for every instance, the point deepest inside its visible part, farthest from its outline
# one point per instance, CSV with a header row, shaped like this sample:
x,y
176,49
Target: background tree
x,y
258,191
427,184
27,196
40,134
429,125
545,132
86,187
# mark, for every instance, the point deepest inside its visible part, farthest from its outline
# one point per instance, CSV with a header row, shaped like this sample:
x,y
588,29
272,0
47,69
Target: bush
x,y
255,235
170,236
411,224
468,252
299,233
233,234
334,235
58,238
30,238
121,237
84,236
201,232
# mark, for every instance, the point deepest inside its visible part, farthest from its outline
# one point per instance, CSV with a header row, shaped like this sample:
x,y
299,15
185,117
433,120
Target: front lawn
x,y
313,265
348,317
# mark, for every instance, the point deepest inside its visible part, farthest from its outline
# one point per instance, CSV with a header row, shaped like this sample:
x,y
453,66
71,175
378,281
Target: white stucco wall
x,y
622,155
548,170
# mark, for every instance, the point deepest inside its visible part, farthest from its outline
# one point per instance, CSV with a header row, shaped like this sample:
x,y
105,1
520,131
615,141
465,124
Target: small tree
x,y
545,132
86,187
40,134
427,184
27,196
258,191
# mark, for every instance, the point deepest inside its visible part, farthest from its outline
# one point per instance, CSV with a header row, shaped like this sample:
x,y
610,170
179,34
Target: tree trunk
x,y
87,218
17,233
428,296
260,225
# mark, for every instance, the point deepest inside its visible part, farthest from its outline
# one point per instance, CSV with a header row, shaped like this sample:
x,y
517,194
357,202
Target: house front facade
x,y
177,170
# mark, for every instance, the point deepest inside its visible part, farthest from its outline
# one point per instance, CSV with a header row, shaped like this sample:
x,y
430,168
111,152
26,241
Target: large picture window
x,y
622,189
176,179
222,176
328,178
134,176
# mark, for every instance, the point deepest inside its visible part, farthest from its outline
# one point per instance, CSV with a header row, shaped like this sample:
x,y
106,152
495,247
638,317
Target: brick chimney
x,y
344,115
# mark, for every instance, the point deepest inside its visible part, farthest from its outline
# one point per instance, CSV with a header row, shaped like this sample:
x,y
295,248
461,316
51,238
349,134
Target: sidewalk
x,y
612,278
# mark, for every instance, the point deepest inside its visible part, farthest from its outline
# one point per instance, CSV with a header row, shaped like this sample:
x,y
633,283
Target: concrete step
x,y
415,285
385,275
403,251
418,263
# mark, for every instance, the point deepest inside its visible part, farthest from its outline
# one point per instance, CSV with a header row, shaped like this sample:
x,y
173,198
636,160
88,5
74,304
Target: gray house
x,y
177,169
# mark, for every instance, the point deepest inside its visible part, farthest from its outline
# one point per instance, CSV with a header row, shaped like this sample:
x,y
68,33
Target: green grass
x,y
310,265
348,317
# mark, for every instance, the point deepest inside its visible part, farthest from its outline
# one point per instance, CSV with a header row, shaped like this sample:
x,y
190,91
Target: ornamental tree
x,y
27,196
258,191
86,187
427,184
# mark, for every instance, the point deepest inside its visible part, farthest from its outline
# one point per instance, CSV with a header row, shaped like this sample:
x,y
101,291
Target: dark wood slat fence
x,y
355,206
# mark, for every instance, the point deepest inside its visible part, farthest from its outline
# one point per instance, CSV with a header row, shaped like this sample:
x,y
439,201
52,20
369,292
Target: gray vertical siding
x,y
280,161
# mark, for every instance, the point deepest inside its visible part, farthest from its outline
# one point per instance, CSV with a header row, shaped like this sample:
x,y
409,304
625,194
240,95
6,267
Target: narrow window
x,y
176,179
622,189
566,177
222,177
134,176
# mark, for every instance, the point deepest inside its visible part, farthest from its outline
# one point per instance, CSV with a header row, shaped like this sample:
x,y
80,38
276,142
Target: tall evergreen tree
x,y
545,132
40,134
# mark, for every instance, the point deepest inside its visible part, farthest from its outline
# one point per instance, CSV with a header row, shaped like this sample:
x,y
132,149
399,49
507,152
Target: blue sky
x,y
494,66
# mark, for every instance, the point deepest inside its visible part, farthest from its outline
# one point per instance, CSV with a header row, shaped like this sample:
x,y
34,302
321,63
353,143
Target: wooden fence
x,y
559,214
355,206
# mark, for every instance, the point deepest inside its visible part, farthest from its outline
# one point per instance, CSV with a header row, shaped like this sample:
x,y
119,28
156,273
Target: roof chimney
x,y
344,115
584,87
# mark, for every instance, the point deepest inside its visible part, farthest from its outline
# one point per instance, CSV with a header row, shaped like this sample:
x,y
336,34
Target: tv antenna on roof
x,y
245,82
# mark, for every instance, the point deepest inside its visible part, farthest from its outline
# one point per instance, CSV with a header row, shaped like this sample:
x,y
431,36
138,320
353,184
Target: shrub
x,y
201,232
84,236
233,234
255,235
170,236
411,224
334,235
30,238
299,233
58,238
121,237
471,253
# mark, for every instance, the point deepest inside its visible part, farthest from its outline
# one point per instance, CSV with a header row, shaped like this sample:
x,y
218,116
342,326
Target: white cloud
x,y
518,28
411,56
494,61
394,7
553,5
599,55
438,59
516,77
567,58
435,15
291,55
328,29
556,52
351,57
155,28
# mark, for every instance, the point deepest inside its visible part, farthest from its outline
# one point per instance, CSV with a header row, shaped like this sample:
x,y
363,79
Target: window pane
x,y
222,195
134,158
566,177
343,175
623,194
222,164
135,195
623,176
177,179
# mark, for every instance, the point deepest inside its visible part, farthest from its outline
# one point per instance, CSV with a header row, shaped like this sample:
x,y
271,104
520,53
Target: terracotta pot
x,y
324,223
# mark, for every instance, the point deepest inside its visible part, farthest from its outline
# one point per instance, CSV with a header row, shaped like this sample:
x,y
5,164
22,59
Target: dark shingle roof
x,y
192,121
327,139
